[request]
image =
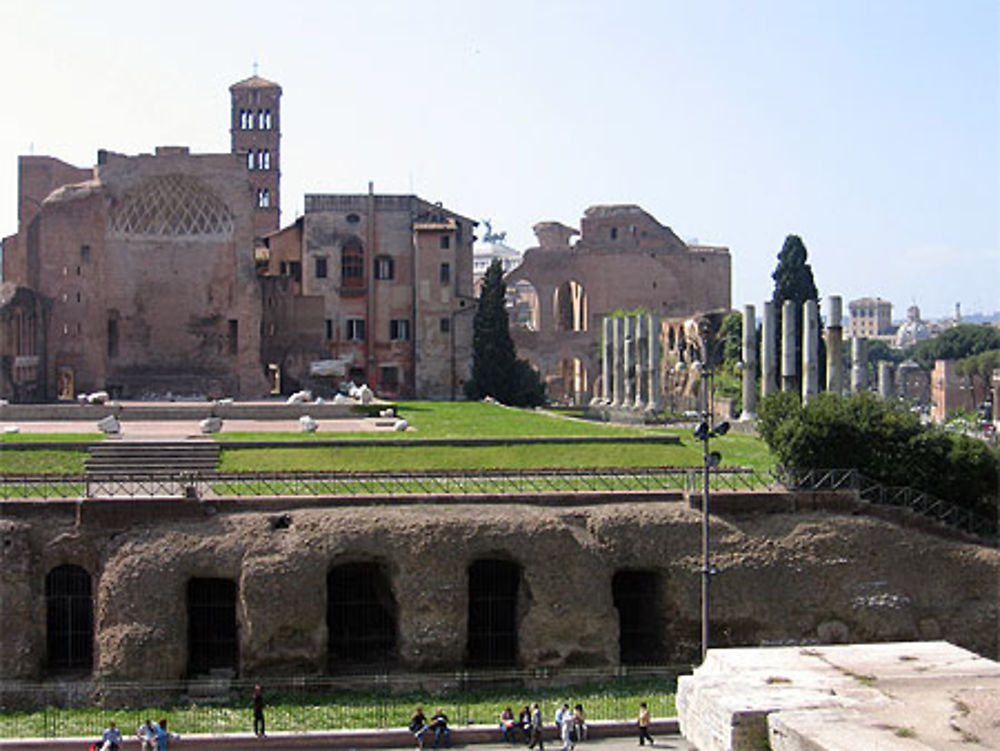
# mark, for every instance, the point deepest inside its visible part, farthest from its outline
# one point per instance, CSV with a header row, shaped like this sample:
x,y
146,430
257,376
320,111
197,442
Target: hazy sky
x,y
871,128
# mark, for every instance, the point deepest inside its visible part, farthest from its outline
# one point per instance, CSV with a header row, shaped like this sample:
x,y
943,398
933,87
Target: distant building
x,y
167,273
624,259
912,330
869,317
492,247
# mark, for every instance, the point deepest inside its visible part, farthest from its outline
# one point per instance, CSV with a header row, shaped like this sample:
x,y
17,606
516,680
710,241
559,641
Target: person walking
x,y
566,732
258,712
536,728
644,725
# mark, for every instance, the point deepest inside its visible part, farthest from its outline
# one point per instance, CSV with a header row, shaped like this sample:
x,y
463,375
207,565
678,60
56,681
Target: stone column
x,y
618,387
749,363
834,346
628,395
641,361
607,359
884,379
789,379
768,351
859,372
810,350
654,387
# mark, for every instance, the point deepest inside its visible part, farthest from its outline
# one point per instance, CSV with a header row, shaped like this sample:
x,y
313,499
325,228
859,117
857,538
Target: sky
x,y
870,128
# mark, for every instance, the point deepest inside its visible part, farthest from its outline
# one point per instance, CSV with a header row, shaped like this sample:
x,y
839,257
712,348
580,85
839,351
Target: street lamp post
x,y
705,431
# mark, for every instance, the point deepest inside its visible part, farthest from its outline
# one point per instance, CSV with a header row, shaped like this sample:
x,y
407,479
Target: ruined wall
x,y
785,578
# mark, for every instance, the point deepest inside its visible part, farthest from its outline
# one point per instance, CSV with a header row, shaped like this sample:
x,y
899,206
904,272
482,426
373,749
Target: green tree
x,y
793,276
496,371
961,341
883,440
793,280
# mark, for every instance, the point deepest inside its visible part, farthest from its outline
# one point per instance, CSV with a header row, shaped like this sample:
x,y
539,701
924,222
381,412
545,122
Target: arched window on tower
x,y
265,159
267,119
250,160
260,119
352,264
69,619
263,198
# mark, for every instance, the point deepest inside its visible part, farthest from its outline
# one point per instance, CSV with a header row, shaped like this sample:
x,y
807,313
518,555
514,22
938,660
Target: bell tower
x,y
255,127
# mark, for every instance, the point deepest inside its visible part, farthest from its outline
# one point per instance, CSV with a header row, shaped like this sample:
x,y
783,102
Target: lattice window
x,y
172,206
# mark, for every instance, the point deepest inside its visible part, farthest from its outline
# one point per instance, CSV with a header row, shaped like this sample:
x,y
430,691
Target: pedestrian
x,y
536,728
418,726
146,733
644,725
524,720
566,732
580,723
111,739
163,736
441,732
258,712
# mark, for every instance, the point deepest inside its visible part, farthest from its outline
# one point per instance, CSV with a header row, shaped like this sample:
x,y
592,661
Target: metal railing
x,y
311,703
205,485
876,493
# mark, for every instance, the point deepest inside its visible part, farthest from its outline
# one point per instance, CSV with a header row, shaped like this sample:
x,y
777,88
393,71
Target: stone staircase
x,y
153,458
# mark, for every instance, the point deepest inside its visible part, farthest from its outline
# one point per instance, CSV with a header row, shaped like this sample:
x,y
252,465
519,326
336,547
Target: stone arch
x,y
494,585
361,616
637,595
572,383
523,305
213,637
569,307
69,619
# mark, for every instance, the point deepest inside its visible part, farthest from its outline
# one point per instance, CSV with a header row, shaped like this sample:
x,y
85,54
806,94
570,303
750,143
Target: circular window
x,y
353,218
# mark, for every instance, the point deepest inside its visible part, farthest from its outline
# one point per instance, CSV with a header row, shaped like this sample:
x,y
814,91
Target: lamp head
x,y
702,432
722,428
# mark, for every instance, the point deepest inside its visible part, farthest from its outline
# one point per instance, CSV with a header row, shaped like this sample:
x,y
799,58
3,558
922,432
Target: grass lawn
x,y
41,461
438,420
611,700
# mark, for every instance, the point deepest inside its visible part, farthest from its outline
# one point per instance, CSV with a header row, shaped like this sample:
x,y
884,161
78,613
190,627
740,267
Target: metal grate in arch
x,y
69,616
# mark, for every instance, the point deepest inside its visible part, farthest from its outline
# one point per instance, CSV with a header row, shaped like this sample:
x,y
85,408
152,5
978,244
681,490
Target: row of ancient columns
x,y
791,377
630,362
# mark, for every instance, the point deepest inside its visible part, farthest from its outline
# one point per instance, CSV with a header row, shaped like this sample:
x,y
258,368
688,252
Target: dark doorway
x,y
493,588
212,637
69,619
637,599
360,616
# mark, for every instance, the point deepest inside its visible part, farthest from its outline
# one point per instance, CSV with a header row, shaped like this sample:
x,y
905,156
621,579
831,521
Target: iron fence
x,y
876,493
206,485
294,704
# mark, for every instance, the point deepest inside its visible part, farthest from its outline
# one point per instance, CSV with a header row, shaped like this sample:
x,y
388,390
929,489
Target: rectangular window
x,y
329,328
384,267
390,378
84,252
445,242
234,336
399,329
445,273
445,325
321,267
355,329
112,337
295,270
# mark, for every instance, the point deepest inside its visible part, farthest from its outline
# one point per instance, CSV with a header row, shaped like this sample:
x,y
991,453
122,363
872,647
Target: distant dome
x,y
172,206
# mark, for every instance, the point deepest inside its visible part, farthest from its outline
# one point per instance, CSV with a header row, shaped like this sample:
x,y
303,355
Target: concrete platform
x,y
605,736
900,695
